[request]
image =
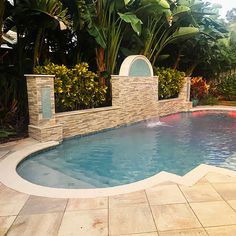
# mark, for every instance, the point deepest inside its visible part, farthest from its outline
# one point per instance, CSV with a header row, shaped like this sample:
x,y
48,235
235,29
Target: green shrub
x,y
76,88
9,104
208,100
170,82
227,88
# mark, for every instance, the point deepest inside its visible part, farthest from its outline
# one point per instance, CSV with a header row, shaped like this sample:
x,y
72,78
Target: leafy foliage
x,y
8,102
199,88
6,133
170,82
208,99
227,87
39,15
76,88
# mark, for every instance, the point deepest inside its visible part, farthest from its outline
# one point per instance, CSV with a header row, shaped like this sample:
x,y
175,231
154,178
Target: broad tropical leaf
x,y
183,33
162,3
94,30
133,20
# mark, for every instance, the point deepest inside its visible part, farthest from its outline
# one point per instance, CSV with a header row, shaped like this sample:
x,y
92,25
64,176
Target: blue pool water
x,y
133,153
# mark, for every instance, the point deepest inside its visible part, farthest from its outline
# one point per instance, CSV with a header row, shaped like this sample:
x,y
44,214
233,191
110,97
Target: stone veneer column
x,y
41,104
137,98
185,92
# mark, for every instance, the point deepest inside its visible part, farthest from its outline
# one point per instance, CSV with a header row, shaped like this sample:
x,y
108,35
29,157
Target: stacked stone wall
x,y
133,99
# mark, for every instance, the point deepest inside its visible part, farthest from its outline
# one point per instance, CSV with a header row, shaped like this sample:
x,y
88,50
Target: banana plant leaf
x,y
162,3
182,33
133,20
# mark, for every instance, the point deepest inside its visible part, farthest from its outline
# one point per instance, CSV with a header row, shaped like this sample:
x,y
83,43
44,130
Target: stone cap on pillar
x,y
38,75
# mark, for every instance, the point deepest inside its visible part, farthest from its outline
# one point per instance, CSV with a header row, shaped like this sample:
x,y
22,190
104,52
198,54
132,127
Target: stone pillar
x,y
185,92
137,98
41,103
135,90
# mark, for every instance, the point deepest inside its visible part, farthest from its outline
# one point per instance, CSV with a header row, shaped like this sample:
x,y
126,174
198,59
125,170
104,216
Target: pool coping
x,y
10,178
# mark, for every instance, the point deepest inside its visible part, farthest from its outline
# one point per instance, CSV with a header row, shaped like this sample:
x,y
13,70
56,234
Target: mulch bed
x,y
227,103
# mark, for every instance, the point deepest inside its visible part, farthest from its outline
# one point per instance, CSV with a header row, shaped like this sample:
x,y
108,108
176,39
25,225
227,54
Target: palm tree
x,y
174,26
105,21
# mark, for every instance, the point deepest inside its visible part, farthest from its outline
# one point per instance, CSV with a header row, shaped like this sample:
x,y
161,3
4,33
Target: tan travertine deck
x,y
169,209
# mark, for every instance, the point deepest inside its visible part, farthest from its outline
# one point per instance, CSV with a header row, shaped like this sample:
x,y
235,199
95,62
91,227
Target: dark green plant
x,y
170,82
9,103
209,100
2,8
227,87
40,15
6,133
76,88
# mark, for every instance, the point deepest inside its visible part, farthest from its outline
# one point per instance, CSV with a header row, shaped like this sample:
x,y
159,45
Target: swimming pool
x,y
135,152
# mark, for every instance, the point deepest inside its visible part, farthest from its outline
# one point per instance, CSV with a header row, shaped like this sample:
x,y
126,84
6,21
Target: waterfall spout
x,y
154,122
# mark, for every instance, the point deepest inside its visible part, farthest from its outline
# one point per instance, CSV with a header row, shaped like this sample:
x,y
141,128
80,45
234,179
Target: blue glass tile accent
x,y
46,103
140,68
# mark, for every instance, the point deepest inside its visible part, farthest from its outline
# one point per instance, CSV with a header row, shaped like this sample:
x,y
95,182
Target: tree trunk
x,y
37,46
191,68
100,59
176,65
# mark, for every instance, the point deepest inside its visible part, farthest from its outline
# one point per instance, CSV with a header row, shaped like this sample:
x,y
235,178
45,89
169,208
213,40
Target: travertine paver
x,y
188,232
130,199
5,223
11,201
3,153
86,204
174,216
200,192
222,231
85,223
37,205
219,178
226,190
130,220
36,225
128,214
214,213
165,194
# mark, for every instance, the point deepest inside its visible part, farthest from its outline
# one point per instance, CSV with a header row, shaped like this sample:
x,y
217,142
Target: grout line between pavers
x,y
188,203
151,211
63,214
138,234
226,201
11,223
218,226
17,214
183,229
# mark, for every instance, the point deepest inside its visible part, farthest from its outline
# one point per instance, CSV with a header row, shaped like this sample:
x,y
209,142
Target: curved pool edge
x,y
10,178
213,108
